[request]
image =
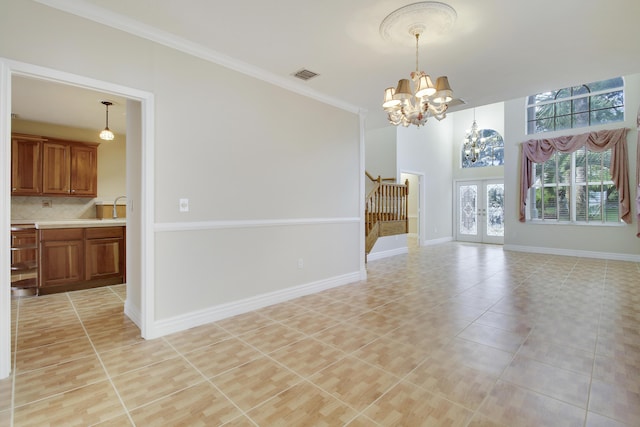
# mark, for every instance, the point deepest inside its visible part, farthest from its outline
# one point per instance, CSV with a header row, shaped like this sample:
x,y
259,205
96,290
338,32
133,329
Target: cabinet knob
x,y
72,191
14,189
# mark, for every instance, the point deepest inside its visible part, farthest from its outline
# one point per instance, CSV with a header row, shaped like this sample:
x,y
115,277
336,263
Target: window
x,y
575,187
491,155
577,106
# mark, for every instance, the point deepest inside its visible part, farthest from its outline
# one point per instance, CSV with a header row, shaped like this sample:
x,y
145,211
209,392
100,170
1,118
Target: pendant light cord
x,y
417,38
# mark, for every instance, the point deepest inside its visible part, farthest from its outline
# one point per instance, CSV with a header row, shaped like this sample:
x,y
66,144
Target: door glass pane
x,y
495,210
468,210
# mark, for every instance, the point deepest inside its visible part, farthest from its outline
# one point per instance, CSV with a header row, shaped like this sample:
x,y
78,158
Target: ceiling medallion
x,y
431,19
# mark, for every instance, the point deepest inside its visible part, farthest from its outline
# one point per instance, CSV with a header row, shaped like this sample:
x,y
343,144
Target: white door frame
x,y
145,318
481,237
421,199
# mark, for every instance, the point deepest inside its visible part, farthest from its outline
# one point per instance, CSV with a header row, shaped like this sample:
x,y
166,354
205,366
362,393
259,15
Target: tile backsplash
x,y
52,208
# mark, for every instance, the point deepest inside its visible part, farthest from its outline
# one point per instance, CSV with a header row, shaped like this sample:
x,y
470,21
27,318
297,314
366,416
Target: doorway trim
x,y
9,68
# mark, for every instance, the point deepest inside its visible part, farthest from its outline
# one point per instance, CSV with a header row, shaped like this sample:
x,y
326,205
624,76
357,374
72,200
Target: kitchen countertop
x,y
70,223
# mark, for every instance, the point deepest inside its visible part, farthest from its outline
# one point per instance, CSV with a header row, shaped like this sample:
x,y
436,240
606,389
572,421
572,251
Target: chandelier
x,y
473,142
414,100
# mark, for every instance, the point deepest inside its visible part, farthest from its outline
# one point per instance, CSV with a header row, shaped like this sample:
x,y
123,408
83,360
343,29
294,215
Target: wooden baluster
x,y
395,202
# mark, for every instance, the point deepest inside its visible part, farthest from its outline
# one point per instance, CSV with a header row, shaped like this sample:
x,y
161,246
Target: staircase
x,y
386,210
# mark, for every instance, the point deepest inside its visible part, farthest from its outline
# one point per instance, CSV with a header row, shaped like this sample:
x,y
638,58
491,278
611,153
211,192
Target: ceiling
x,y
497,50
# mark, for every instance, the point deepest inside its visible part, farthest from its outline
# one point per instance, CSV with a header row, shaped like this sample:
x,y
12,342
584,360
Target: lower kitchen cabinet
x,y
24,261
104,253
81,258
61,256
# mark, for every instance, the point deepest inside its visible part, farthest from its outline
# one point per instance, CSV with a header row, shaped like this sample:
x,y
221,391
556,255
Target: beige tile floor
x,y
449,335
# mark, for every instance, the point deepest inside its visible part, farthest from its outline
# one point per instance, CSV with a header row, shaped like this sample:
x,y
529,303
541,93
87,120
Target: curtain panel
x,y
540,150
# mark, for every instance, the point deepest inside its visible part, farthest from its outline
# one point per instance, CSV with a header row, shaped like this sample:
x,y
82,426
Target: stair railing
x,y
386,210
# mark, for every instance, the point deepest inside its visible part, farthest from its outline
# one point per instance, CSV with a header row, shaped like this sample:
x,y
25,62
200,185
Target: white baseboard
x,y
437,241
385,254
573,252
222,311
133,313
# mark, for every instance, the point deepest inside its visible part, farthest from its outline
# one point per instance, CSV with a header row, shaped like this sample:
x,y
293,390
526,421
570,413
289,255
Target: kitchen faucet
x,y
115,212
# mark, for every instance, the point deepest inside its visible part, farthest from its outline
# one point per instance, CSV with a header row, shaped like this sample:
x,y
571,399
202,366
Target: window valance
x,y
540,150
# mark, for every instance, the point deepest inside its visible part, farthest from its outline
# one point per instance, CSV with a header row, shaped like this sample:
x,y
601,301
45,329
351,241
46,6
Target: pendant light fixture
x,y
106,134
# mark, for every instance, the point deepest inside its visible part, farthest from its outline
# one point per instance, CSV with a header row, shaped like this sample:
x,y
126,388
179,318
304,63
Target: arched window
x,y
491,155
576,106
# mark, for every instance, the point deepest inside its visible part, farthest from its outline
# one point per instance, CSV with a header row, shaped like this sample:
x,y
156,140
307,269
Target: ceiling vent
x,y
305,74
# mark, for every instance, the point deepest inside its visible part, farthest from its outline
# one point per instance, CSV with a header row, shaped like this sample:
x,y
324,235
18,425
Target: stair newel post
x,y
406,205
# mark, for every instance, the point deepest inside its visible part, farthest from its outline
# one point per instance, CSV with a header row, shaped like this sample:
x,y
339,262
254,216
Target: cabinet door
x,y
104,258
61,262
84,171
26,165
55,168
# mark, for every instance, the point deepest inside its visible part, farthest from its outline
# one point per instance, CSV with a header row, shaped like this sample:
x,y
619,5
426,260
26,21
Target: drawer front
x,y
105,233
62,234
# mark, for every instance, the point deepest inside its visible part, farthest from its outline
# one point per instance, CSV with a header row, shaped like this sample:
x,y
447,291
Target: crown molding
x,y
123,23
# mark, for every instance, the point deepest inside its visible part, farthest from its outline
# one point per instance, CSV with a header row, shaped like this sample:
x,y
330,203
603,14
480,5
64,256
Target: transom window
x,y
576,106
575,187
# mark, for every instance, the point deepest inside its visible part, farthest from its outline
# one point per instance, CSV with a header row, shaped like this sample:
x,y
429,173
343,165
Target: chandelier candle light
x,y
409,104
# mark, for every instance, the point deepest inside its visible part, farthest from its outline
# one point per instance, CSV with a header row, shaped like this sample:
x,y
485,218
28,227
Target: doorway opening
x,y
139,187
414,207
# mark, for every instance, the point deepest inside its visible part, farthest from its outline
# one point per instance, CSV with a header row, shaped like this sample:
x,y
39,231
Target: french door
x,y
480,211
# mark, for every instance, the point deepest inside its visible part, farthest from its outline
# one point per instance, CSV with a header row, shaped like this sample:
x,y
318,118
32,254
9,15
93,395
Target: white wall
x,y
380,152
611,241
428,150
271,176
133,304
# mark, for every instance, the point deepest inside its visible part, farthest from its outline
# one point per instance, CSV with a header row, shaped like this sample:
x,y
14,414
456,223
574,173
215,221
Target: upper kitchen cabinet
x,y
58,168
84,170
69,169
26,165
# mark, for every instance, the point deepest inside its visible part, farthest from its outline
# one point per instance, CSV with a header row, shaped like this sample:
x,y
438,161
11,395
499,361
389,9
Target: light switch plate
x,y
184,205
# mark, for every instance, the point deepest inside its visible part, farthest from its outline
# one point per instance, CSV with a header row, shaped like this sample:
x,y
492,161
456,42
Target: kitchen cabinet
x,y
26,165
81,258
69,169
104,253
24,261
61,257
84,170
56,162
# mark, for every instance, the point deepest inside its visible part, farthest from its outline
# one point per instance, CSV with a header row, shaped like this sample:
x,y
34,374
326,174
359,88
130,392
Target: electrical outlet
x,y
300,263
184,205
46,203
